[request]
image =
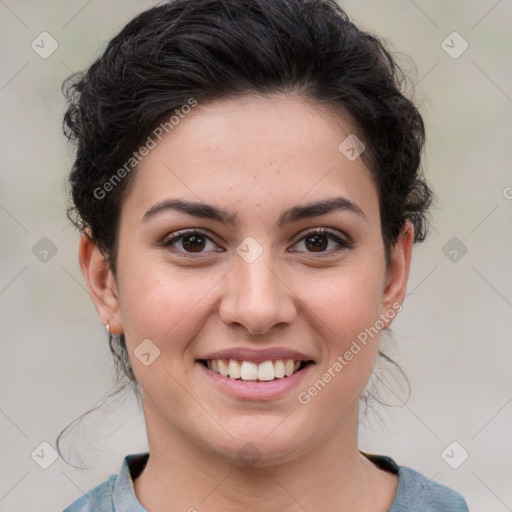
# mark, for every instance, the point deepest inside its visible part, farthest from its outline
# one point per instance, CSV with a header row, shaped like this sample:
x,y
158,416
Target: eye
x,y
192,241
317,241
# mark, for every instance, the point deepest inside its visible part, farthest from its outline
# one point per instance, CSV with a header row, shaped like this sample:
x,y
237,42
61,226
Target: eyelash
x,y
343,244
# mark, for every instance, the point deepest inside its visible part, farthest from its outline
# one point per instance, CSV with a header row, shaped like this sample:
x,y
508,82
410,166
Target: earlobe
x,y
398,269
100,283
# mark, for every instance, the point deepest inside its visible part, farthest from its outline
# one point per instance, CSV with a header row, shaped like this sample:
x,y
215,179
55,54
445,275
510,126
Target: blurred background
x,y
453,337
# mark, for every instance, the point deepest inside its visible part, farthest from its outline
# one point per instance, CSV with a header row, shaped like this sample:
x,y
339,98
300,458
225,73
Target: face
x,y
253,273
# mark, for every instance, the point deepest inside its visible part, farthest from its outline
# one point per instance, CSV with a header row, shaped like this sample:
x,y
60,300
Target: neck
x,y
180,475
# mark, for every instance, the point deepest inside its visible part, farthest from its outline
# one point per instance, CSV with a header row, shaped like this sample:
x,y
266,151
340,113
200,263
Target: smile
x,y
250,371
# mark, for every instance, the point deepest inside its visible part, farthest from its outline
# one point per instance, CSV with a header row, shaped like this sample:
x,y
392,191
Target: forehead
x,y
250,150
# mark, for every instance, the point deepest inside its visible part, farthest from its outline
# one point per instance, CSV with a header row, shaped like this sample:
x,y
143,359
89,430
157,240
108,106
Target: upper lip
x,y
257,356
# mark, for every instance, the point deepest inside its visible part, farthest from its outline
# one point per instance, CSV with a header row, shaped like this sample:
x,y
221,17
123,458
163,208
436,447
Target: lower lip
x,y
256,390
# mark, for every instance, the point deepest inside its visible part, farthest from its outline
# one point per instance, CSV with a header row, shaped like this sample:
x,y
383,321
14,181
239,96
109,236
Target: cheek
x,y
160,303
346,304
167,312
350,340
347,308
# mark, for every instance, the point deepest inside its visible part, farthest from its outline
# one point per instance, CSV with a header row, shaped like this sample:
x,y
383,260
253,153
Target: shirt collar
x,y
123,494
125,499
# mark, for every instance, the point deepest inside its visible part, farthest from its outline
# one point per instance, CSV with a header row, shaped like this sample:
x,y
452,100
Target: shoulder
x,y
116,494
421,494
416,493
98,499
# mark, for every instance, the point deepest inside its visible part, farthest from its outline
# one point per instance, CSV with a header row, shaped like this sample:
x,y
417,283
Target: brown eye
x,y
318,241
188,242
193,242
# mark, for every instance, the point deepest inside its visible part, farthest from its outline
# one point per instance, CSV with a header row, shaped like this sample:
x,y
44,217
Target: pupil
x,y
318,243
194,241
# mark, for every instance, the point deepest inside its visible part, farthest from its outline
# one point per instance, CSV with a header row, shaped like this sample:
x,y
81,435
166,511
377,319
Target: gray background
x,y
453,336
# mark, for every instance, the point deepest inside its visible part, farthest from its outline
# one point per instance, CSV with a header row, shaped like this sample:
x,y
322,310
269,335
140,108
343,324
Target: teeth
x,y
288,367
266,371
234,369
279,369
247,370
223,367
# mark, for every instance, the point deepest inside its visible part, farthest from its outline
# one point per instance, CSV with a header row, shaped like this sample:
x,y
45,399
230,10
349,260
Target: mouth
x,y
266,371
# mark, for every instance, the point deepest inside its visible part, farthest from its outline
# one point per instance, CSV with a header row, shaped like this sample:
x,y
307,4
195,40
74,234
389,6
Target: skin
x,y
256,157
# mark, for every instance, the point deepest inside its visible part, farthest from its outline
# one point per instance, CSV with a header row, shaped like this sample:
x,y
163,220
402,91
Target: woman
x,y
248,187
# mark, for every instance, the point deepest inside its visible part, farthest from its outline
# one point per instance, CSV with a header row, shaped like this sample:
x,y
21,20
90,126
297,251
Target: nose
x,y
257,297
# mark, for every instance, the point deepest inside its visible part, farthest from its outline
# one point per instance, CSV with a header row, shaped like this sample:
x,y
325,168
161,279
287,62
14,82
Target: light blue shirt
x,y
415,492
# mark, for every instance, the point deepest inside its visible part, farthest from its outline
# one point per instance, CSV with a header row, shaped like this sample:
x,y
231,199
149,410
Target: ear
x,y
397,273
100,282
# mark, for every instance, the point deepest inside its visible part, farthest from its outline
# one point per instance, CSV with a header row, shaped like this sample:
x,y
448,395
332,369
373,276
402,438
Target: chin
x,y
264,443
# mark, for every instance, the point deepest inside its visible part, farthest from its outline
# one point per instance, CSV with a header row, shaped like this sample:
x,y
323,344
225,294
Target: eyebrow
x,y
294,214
